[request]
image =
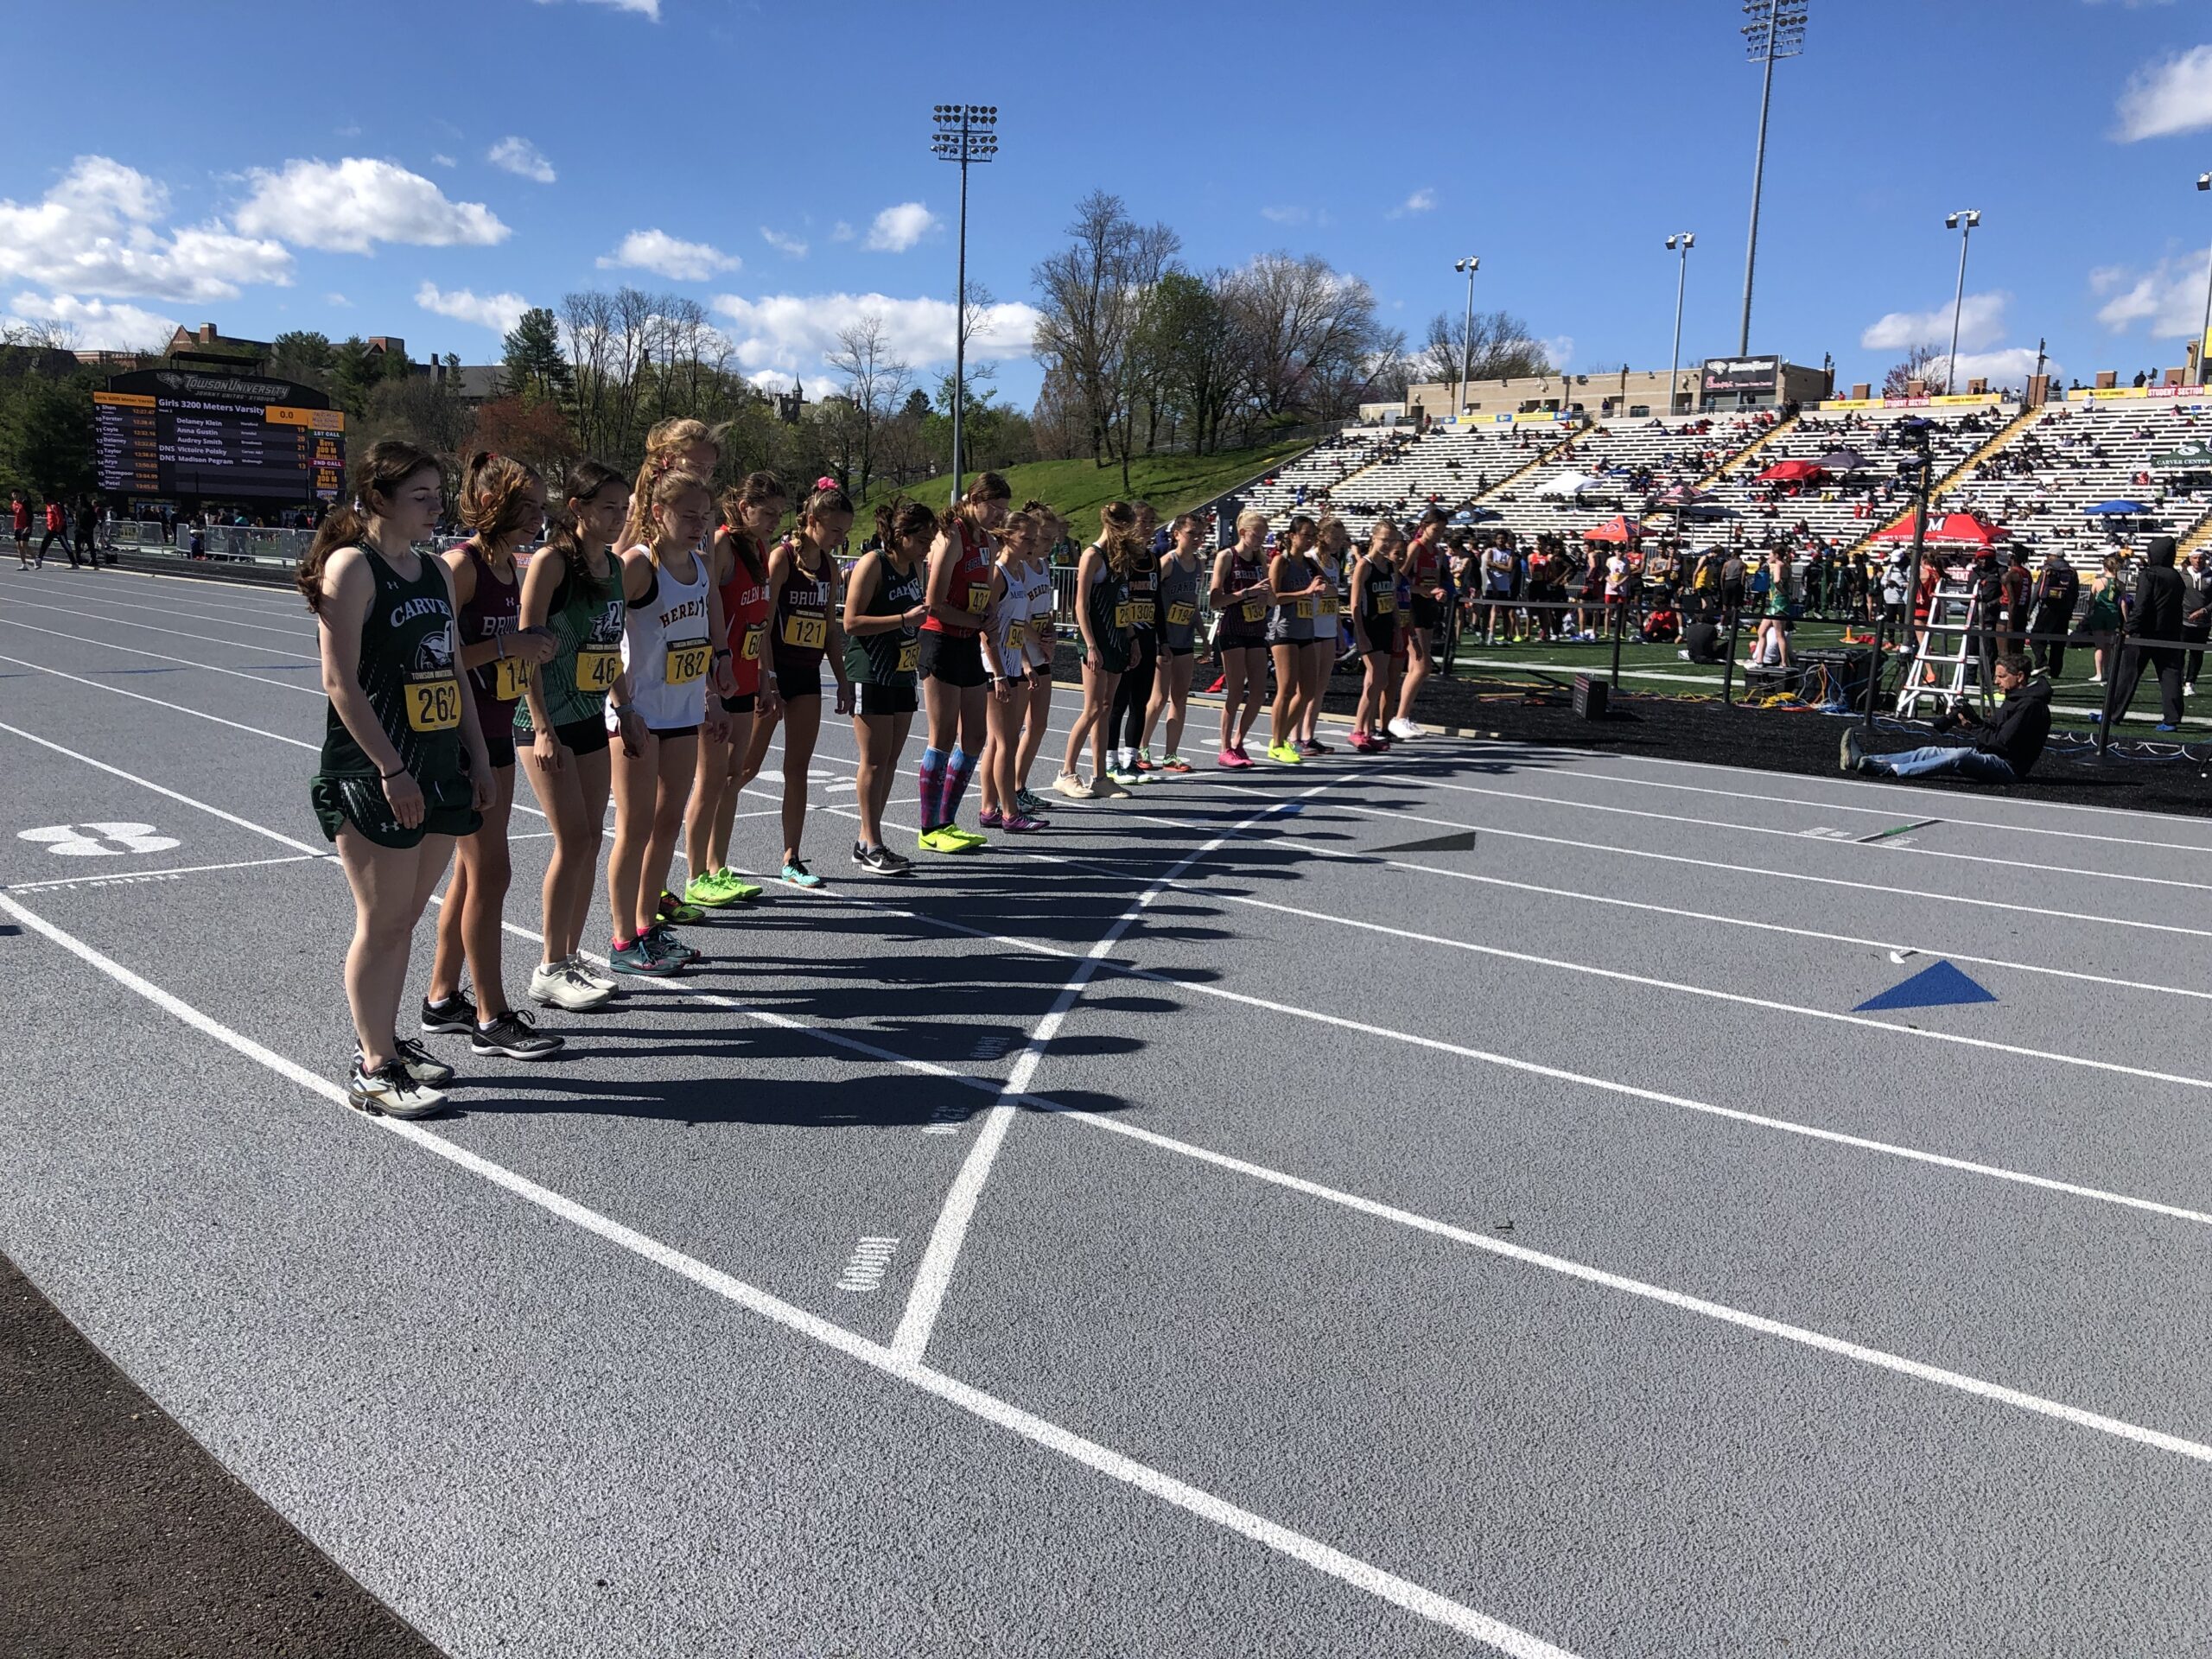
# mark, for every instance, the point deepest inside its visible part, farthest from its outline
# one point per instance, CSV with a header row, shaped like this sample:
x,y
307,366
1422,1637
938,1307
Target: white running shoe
x,y
565,985
391,1091
1404,728
1073,787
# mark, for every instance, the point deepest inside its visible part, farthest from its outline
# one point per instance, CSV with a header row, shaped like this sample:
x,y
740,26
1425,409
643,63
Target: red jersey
x,y
54,515
970,592
22,518
745,605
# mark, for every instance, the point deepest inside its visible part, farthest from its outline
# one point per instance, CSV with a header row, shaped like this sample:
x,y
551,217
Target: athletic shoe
x,y
943,840
881,861
967,835
1315,745
663,943
1021,823
1028,804
1407,729
513,1035
2096,679
1378,743
990,818
2163,727
796,874
1361,742
2189,690
458,1015
1073,787
1231,760
389,1092
638,957
1144,762
576,964
1109,788
1307,747
1176,763
1284,755
705,890
1851,754
672,909
421,1064
561,985
1122,776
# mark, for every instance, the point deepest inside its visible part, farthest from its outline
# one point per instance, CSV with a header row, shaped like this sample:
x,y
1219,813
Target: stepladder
x,y
1938,669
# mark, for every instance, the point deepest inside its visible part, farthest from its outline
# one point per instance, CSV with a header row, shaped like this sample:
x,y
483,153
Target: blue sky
x,y
771,160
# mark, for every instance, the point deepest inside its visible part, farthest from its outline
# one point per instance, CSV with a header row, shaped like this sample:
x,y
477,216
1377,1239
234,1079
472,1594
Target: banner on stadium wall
x,y
2100,394
1728,376
1961,399
1953,400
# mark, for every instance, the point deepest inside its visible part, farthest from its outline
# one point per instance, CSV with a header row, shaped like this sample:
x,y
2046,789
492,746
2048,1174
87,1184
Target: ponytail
x,y
376,477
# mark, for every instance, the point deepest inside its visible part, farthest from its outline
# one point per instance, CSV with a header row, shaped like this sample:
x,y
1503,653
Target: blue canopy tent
x,y
2117,509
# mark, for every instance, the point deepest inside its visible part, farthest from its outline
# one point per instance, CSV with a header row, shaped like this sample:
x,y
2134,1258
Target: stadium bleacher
x,y
1627,459
2074,457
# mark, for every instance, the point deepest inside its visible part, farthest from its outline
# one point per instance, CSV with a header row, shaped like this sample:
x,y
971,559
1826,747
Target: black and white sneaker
x,y
389,1092
882,860
511,1034
420,1063
457,1015
1851,752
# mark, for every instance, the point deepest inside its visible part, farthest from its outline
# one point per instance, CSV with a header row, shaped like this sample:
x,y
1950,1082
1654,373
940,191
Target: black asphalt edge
x,y
122,1537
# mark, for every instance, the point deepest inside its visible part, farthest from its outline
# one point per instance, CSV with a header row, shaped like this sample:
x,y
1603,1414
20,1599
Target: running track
x,y
1221,1226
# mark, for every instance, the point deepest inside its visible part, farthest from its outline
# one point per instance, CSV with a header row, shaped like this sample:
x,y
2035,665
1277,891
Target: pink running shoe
x,y
1021,823
1232,760
991,818
1361,741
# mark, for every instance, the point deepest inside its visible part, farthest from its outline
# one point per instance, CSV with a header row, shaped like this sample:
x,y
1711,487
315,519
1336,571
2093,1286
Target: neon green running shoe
x,y
673,909
740,890
945,839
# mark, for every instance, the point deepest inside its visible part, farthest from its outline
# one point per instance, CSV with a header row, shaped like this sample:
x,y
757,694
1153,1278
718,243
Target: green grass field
x,y
1078,489
1655,670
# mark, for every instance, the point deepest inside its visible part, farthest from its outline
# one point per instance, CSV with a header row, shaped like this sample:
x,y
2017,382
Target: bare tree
x,y
1500,348
875,384
1921,362
587,336
1305,330
1093,301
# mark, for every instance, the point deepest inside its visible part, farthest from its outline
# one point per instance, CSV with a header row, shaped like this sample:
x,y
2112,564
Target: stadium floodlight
x,y
966,133
1685,240
2204,182
1963,222
1776,29
1470,264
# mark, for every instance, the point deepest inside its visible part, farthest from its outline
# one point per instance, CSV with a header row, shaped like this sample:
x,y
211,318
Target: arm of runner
x,y
347,589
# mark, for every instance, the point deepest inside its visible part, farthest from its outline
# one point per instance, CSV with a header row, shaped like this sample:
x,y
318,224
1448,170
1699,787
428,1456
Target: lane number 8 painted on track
x,y
99,840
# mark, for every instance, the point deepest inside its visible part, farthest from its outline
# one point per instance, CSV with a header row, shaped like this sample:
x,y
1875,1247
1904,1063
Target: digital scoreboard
x,y
159,432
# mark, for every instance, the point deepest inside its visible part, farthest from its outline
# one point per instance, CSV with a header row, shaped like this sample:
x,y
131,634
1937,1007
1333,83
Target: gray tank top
x,y
1178,603
1293,618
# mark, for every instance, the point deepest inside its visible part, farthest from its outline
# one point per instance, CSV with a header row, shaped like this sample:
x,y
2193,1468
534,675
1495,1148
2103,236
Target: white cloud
x,y
349,206
338,299
772,379
522,158
1982,322
790,246
443,160
2169,297
791,331
98,324
1421,201
498,312
841,232
1560,348
95,232
642,7
897,229
667,256
2175,96
2009,367
1286,215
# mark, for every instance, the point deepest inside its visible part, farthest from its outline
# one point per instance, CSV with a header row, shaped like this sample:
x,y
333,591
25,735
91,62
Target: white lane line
x,y
161,703
154,875
1434,1045
1869,889
1348,1569
2007,864
181,634
926,1297
314,690
286,604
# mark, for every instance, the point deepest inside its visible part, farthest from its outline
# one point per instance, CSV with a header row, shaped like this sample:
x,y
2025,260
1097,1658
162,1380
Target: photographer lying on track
x,y
1999,750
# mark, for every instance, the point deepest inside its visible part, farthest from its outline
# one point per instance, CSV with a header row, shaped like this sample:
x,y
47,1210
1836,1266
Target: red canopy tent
x,y
1619,529
1790,471
1957,527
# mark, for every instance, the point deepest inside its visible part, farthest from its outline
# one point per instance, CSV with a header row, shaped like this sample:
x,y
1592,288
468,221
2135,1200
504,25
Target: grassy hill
x,y
1078,489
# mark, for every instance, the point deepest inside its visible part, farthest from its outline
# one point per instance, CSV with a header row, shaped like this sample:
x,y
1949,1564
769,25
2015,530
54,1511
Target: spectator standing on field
x,y
2057,589
56,528
2195,617
88,524
2154,625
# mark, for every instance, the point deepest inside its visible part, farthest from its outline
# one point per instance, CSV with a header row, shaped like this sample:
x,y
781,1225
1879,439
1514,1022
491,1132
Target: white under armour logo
x,y
99,840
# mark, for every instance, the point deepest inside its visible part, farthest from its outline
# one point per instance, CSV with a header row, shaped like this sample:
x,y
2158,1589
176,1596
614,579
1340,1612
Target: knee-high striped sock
x,y
963,765
932,779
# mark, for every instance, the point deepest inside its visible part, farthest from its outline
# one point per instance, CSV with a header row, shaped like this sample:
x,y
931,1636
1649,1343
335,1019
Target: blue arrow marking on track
x,y
1930,987
1291,809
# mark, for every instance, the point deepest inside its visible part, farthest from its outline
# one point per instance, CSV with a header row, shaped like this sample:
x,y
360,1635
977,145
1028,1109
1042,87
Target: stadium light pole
x,y
1776,30
1466,332
966,133
1685,240
2204,182
1963,222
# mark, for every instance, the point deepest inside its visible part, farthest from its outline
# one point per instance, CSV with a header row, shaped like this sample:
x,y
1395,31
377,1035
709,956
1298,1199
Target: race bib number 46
x,y
597,668
806,633
433,703
687,662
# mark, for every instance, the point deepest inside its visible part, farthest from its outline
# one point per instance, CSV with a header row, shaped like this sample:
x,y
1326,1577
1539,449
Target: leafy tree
x,y
303,355
534,368
536,430
46,435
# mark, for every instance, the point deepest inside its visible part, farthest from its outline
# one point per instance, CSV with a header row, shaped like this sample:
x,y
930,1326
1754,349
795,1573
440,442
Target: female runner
x,y
1241,596
1043,634
1133,692
883,619
1425,571
402,770
675,677
503,503
953,677
1321,654
1102,609
803,577
1375,630
570,590
1178,599
1297,584
1005,654
750,515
